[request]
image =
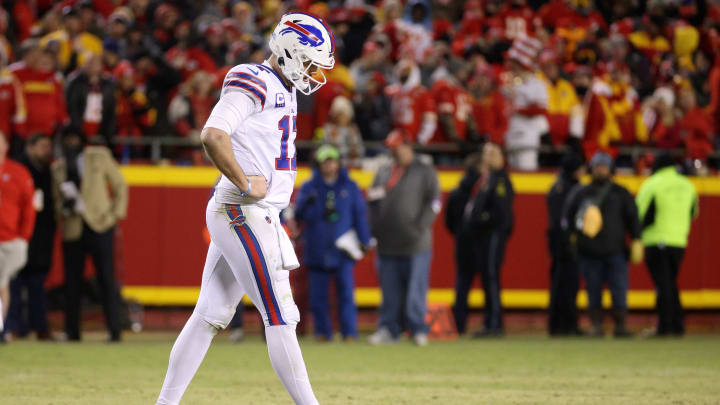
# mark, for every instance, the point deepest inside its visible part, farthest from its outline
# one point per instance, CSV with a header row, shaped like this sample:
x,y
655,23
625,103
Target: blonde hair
x,y
342,105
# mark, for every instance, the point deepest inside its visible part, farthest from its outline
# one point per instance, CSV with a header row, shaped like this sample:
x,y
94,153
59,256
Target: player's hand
x,y
259,186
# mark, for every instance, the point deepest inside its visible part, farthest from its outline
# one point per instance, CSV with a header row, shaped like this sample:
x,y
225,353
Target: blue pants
x,y
28,303
612,270
404,284
320,299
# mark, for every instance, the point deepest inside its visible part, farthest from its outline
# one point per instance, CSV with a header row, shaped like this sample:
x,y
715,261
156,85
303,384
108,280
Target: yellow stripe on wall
x,y
170,176
525,183
371,297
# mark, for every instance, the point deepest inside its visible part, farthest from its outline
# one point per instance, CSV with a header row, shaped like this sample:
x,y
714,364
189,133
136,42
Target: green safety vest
x,y
675,204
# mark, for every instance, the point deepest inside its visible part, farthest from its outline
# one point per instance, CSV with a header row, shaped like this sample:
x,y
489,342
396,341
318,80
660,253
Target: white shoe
x,y
237,335
381,337
421,339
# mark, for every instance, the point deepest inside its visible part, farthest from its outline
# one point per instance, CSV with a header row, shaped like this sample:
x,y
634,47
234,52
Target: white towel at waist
x,y
288,258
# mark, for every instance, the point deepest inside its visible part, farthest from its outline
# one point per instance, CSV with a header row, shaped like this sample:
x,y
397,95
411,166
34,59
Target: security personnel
x,y
330,205
667,202
564,276
480,216
601,215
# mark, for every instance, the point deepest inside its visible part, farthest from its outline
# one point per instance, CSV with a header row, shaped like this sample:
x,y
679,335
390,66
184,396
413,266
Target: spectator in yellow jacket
x,y
73,43
564,110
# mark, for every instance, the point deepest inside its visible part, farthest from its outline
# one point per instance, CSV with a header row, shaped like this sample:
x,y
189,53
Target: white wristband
x,y
249,189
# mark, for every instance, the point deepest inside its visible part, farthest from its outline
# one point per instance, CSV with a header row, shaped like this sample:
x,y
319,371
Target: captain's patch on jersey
x,y
279,100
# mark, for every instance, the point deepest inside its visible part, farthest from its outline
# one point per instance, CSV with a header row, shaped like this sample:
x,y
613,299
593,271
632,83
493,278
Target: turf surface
x,y
516,370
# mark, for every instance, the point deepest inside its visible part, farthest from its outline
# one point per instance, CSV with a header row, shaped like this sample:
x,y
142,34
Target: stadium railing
x,y
159,144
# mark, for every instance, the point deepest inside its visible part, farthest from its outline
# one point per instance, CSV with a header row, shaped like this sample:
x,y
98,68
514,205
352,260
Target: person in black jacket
x,y
91,101
599,216
372,111
564,272
27,289
480,216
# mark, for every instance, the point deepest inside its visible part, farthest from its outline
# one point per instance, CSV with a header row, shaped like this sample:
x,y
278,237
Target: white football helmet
x,y
301,41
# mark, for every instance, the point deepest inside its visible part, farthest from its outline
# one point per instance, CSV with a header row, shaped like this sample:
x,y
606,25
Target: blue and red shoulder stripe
x,y
251,84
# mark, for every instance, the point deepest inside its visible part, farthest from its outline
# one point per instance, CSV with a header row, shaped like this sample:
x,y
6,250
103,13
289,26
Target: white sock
x,y
286,358
185,358
1,317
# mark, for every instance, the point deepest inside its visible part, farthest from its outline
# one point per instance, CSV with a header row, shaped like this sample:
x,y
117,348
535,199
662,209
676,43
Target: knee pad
x,y
218,317
289,314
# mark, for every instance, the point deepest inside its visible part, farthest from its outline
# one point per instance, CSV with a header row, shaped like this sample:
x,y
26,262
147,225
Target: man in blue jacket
x,y
330,205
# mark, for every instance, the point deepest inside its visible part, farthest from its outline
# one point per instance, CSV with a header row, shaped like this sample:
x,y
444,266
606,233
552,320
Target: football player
x,y
250,138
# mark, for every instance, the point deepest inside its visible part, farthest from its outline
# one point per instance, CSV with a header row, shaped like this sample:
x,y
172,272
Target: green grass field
x,y
515,370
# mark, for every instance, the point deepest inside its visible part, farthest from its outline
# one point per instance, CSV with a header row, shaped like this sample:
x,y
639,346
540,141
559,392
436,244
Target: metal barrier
x,y
157,143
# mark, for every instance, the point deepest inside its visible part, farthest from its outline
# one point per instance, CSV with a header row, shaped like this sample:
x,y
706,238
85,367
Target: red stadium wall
x,y
161,248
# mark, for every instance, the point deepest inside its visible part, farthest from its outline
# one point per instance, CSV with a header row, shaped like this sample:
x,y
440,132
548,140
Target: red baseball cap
x,y
397,137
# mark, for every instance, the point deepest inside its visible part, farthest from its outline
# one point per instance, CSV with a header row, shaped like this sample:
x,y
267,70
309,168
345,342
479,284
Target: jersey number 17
x,y
284,162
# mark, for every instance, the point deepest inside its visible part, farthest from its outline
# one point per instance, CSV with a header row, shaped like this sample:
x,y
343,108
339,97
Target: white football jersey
x,y
264,142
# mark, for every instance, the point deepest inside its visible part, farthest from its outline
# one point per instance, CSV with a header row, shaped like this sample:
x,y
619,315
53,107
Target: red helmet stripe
x,y
302,30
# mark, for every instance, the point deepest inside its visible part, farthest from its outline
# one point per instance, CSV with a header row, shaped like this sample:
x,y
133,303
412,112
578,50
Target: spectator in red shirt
x,y
17,219
392,12
518,20
454,107
133,111
166,19
186,58
12,104
555,11
473,20
42,89
23,18
413,108
694,127
488,105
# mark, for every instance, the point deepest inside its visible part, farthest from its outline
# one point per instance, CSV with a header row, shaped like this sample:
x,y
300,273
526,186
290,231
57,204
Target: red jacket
x,y
453,100
17,212
12,104
408,108
695,130
490,116
43,91
517,23
190,60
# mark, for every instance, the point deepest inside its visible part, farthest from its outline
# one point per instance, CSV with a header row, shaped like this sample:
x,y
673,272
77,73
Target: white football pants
x,y
243,258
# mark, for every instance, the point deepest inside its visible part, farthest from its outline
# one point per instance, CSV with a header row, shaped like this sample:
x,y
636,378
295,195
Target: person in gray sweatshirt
x,y
404,201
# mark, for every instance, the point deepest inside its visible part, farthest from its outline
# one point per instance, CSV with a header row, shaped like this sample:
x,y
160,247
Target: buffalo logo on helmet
x,y
307,34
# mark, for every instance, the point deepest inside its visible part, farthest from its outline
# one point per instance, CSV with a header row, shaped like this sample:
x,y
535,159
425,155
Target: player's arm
x,y
228,115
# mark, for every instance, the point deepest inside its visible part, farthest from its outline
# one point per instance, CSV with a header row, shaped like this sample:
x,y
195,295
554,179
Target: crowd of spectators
x,y
615,74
